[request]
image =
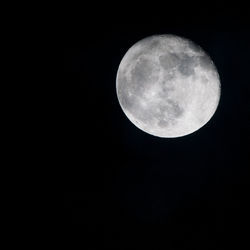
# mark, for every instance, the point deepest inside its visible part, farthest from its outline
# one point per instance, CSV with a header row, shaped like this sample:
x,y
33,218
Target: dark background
x,y
125,189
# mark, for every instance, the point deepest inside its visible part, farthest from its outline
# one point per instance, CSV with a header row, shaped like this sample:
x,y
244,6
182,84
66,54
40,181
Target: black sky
x,y
126,189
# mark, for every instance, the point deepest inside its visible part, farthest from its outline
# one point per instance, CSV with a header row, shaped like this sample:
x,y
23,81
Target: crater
x,y
165,91
143,75
124,93
174,109
154,45
186,67
144,115
163,123
194,47
206,63
169,61
142,71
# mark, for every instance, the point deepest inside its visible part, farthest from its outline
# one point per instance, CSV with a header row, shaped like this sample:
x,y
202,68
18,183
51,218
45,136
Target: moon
x,y
167,86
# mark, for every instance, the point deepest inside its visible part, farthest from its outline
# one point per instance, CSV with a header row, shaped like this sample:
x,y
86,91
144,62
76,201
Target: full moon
x,y
167,86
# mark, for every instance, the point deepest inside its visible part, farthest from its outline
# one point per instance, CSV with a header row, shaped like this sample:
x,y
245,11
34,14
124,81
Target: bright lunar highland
x,y
167,86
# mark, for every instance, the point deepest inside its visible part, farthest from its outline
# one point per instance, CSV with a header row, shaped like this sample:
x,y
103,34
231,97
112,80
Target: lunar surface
x,y
167,86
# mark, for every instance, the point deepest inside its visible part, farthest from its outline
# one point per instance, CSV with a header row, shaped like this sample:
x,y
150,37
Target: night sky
x,y
126,189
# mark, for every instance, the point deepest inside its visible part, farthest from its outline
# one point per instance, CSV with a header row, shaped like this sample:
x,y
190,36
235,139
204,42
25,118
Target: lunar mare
x,y
167,86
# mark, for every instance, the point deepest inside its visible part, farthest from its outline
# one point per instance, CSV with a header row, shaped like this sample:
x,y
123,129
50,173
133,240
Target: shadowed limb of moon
x,y
167,86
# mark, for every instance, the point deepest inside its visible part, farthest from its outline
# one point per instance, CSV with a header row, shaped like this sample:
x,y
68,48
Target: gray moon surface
x,y
167,86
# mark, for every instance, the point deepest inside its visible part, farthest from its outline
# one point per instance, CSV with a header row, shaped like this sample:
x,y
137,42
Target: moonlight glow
x,y
167,86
